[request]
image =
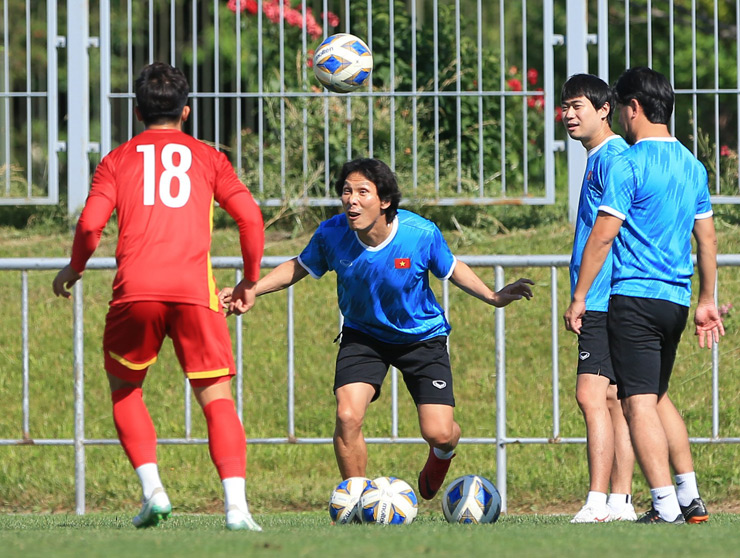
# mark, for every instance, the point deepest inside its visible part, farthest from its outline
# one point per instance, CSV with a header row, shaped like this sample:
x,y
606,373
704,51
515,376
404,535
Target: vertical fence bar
x,y
79,398
549,100
671,59
458,98
502,86
525,102
717,160
188,408
603,40
291,364
239,333
715,371
394,402
555,322
52,101
500,333
370,106
29,116
5,120
24,345
78,105
105,78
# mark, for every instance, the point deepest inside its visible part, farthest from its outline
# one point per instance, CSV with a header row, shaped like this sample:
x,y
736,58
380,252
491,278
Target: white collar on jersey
x,y
394,230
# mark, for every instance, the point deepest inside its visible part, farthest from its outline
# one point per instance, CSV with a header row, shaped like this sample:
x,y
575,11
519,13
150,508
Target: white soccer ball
x,y
344,502
343,63
389,501
471,499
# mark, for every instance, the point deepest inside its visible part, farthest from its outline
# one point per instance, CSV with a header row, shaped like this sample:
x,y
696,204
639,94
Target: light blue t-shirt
x,y
591,193
658,188
384,290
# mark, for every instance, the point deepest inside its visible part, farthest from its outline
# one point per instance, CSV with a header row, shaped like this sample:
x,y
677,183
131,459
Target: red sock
x,y
226,440
134,426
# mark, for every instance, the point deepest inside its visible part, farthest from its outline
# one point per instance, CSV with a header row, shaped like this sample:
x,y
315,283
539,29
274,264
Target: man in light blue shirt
x,y
382,257
587,107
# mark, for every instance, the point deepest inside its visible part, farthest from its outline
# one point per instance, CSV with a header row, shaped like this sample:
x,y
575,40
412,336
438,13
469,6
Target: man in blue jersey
x,y
382,256
587,107
655,197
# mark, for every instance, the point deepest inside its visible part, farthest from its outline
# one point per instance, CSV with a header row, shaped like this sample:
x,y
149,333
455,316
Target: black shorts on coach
x,y
425,365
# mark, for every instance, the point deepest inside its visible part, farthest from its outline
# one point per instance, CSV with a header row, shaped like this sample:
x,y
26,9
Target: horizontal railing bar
x,y
268,262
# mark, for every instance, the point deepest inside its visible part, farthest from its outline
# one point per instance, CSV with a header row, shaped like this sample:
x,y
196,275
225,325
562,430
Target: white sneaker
x,y
237,520
592,514
627,514
153,510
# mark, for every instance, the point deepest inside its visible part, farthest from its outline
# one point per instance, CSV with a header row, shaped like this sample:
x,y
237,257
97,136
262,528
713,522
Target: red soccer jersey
x,y
163,183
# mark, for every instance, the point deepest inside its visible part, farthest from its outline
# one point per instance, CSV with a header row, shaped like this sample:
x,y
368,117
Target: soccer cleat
x,y
154,510
433,475
592,514
237,520
695,512
653,517
627,514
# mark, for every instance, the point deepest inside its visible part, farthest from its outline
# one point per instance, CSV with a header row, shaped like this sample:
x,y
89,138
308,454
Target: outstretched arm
x,y
283,276
706,318
466,279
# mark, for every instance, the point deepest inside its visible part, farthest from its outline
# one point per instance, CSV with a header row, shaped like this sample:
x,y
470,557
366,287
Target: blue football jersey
x,y
588,204
658,188
384,290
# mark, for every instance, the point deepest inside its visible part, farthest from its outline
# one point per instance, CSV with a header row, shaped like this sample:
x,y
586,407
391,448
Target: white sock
x,y
443,454
686,488
596,499
665,502
617,502
149,478
235,494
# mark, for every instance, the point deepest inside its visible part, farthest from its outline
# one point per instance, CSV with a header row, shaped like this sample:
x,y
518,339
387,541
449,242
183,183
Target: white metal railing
x,y
501,439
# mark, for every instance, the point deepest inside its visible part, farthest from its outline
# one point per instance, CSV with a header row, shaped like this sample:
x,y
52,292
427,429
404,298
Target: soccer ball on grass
x,y
389,501
344,503
343,63
471,499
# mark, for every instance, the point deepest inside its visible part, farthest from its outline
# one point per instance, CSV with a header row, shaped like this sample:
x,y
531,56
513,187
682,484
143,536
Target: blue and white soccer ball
x,y
471,499
389,501
343,63
344,503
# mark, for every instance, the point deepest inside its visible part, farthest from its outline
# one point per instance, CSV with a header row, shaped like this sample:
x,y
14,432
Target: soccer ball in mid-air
x,y
471,499
343,63
389,501
344,503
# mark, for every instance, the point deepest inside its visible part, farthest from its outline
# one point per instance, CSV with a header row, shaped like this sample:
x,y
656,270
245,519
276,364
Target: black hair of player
x,y
380,174
651,89
161,93
596,90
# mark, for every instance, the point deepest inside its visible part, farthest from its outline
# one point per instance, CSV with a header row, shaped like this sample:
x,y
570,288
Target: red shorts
x,y
134,332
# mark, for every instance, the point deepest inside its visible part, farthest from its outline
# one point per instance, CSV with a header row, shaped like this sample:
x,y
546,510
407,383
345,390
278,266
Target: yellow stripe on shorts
x,y
132,365
207,374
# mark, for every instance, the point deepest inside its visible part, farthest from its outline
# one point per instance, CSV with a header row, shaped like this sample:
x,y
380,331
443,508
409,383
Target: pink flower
x,y
513,70
232,5
331,18
725,151
514,84
532,76
725,309
531,102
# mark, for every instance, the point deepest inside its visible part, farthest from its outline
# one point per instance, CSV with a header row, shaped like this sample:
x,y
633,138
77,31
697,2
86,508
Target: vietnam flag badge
x,y
403,263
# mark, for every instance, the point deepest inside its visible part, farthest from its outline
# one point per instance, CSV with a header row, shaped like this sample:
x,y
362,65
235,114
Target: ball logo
x,y
439,384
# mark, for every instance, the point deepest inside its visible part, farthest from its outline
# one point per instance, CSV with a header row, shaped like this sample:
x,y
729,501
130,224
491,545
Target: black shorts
x,y
643,338
425,366
593,347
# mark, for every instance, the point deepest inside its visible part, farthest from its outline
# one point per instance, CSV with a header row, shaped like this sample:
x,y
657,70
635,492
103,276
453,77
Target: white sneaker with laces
x,y
153,510
592,514
627,514
237,520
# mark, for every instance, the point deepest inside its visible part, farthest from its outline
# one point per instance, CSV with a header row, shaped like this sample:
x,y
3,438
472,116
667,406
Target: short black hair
x,y
161,93
380,174
593,88
651,89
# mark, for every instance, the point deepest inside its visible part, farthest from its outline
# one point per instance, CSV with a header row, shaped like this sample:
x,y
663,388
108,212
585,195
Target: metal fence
x,y
501,440
462,103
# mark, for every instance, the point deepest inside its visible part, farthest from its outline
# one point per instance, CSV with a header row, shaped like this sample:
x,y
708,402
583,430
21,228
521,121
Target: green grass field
x,y
542,478
311,534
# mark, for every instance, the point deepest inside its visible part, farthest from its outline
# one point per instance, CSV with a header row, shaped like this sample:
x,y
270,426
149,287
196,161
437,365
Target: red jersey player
x,y
163,184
